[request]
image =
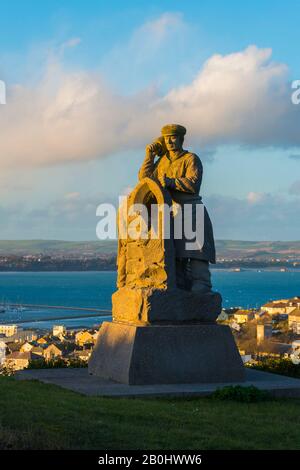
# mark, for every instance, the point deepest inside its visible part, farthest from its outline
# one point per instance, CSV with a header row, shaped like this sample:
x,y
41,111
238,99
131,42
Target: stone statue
x,y
180,172
164,311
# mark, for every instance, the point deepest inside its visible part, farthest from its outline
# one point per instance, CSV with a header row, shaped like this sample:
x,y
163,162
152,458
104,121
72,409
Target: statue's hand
x,y
165,181
152,149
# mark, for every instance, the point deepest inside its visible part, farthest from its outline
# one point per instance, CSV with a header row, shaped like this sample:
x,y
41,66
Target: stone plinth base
x,y
166,354
80,381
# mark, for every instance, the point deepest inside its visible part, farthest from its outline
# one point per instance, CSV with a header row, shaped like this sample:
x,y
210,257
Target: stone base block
x,y
166,354
151,305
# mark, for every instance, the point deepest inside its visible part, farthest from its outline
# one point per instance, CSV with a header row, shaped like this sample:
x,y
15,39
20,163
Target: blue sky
x,y
90,83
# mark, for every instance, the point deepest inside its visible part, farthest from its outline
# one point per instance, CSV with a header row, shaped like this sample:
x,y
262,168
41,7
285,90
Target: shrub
x,y
249,394
56,363
6,370
281,366
42,364
76,362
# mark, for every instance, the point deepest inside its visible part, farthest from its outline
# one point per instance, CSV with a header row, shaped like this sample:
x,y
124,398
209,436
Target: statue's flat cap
x,y
173,129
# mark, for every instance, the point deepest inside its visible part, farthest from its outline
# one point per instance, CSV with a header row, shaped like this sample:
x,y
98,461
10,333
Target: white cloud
x,y
67,217
275,217
149,56
72,42
69,44
240,98
72,196
157,30
254,197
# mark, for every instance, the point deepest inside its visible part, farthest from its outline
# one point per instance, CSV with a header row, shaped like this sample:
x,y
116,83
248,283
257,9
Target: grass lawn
x,y
39,416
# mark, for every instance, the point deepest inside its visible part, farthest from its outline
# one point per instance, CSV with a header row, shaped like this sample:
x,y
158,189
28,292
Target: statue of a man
x,y
180,172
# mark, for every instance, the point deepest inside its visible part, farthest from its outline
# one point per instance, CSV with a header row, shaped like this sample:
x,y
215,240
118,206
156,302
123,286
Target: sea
x,y
92,290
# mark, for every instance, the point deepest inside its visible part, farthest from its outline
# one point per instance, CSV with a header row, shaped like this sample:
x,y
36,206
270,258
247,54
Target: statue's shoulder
x,y
193,157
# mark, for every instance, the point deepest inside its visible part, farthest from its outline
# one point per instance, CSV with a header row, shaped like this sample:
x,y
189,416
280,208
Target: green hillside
x,y
42,416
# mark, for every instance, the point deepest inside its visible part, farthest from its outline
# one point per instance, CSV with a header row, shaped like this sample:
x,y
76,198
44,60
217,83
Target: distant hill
x,y
260,249
225,248
50,247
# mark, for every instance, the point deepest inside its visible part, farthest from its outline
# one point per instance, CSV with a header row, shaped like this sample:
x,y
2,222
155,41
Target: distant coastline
x,y
78,265
57,255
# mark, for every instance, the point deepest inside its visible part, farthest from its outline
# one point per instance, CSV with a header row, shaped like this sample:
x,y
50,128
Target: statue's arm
x,y
191,181
148,168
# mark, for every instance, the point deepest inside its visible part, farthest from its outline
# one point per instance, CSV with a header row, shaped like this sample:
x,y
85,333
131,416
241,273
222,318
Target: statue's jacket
x,y
185,173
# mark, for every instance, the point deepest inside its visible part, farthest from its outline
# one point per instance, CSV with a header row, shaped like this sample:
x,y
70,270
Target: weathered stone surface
x,y
149,306
165,354
146,261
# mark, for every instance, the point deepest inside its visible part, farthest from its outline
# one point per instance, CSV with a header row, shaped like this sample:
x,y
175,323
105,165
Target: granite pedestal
x,y
166,354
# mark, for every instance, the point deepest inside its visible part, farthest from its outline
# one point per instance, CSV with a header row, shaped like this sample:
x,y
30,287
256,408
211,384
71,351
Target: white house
x,y
59,330
8,330
2,352
294,320
282,306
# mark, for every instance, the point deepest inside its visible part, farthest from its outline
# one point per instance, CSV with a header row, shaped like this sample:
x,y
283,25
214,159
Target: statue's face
x,y
173,142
